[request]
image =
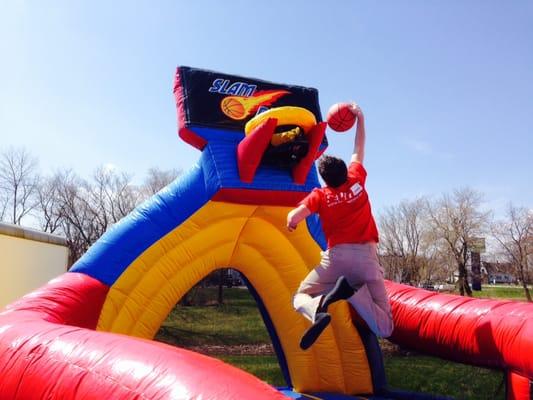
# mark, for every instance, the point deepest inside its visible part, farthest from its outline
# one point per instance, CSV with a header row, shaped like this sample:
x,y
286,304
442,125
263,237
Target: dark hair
x,y
333,170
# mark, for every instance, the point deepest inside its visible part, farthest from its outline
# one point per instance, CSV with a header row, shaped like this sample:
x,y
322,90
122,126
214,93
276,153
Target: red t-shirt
x,y
345,211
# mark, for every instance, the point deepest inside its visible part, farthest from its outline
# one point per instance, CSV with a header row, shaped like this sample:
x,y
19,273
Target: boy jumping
x,y
351,259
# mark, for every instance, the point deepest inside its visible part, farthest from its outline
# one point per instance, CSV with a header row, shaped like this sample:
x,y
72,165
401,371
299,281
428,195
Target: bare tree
x,y
48,203
157,179
431,261
87,209
111,196
18,183
457,221
82,210
402,232
515,237
77,217
4,201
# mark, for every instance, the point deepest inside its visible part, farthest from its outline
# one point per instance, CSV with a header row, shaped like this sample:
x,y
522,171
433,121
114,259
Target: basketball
x,y
233,108
340,117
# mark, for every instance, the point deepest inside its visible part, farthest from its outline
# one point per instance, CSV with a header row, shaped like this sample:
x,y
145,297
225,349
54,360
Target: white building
x,y
28,260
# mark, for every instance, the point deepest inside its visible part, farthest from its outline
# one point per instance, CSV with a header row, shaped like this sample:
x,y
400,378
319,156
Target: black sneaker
x,y
310,336
341,291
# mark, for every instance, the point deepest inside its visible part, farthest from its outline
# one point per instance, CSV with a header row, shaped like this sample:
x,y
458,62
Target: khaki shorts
x,y
360,265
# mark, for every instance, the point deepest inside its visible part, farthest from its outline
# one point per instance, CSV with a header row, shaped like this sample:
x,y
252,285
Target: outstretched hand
x,y
354,107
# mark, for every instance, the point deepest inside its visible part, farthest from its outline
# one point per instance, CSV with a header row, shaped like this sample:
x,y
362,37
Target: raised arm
x,y
359,142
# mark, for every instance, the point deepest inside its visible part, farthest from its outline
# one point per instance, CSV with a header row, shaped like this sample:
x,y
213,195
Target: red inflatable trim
x,y
186,134
259,197
490,333
71,299
41,357
300,171
250,150
320,152
192,138
180,100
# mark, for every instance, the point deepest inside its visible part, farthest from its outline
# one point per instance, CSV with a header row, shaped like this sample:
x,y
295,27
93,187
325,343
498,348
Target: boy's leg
x,y
306,305
341,291
359,263
372,304
309,297
382,309
310,336
307,301
381,304
313,288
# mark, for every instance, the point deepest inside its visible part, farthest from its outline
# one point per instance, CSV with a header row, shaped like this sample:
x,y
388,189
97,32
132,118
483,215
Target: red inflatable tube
x,y
251,149
71,299
47,352
489,333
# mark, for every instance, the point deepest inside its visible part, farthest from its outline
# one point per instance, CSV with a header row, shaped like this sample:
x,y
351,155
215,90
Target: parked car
x,y
444,287
232,278
427,285
501,278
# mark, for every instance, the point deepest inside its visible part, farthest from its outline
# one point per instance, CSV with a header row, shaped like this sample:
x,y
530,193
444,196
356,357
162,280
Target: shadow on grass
x,y
188,338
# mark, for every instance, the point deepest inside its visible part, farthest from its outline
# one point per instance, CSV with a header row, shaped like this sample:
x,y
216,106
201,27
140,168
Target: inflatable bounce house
x,y
87,334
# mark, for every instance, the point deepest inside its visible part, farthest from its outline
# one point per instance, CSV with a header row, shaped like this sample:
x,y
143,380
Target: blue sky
x,y
446,87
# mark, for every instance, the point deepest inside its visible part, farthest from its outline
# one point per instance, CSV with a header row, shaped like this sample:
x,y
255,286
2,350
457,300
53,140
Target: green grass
x,y
412,373
432,375
264,367
238,322
501,292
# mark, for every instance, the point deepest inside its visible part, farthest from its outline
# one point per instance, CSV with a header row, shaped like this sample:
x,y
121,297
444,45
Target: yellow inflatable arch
x,y
252,239
209,219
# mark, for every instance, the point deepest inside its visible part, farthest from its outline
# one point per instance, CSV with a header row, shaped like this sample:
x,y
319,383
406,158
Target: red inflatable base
x,y
48,351
489,333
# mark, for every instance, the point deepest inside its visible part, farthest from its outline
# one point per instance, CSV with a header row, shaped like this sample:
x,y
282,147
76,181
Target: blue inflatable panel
x,y
315,229
282,360
386,395
323,396
222,159
216,169
125,241
374,356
